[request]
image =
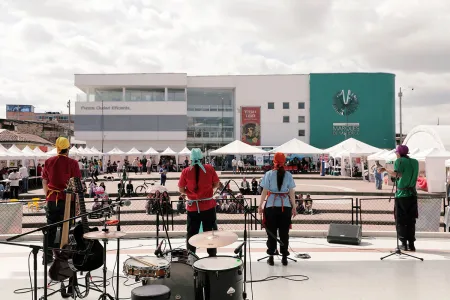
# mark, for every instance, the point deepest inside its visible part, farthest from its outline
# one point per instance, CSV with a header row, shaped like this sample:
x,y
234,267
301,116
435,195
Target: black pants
x,y
208,219
14,192
55,213
278,220
406,213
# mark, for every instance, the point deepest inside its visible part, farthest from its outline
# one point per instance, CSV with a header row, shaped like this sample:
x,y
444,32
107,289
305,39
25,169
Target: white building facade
x,y
177,110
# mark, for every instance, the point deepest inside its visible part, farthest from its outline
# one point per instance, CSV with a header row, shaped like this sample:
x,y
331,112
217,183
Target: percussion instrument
x,y
218,278
180,281
213,239
146,267
182,256
102,235
151,292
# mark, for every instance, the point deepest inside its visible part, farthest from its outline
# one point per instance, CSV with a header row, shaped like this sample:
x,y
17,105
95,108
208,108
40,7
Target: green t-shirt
x,y
409,169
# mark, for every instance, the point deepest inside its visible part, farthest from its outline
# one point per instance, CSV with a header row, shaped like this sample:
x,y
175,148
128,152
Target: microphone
x,y
158,251
239,248
119,202
224,187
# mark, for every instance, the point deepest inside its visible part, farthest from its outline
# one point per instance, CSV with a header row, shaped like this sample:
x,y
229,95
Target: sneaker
x,y
284,260
404,246
270,261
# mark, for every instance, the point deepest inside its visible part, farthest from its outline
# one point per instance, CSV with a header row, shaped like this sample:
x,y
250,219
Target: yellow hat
x,y
61,144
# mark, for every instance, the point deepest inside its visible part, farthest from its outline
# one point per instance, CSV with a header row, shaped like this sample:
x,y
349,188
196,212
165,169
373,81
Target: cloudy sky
x,y
44,42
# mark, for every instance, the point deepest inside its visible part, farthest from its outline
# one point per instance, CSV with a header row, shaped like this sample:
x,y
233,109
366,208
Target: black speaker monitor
x,y
344,234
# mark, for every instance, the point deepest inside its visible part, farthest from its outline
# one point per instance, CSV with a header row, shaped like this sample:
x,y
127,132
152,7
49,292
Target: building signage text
x,y
111,107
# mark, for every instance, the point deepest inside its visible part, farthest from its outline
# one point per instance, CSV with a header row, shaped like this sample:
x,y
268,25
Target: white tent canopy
x,y
429,136
95,151
28,152
185,151
151,151
168,152
74,151
52,152
378,156
39,152
422,155
4,154
435,170
353,147
134,151
447,163
296,146
237,147
15,151
116,151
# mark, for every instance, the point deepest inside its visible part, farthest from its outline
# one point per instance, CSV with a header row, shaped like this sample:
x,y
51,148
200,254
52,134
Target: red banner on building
x,y
251,125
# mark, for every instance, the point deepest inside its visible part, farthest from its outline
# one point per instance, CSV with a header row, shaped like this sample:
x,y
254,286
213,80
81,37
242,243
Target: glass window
x,y
108,95
285,119
145,95
285,105
220,97
301,119
270,105
301,132
301,105
176,95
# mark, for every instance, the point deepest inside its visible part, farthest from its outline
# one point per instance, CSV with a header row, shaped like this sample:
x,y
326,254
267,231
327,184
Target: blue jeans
x,y
234,169
378,181
163,180
25,185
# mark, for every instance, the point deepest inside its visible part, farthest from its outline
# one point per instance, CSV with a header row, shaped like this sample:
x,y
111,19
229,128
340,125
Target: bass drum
x,y
180,281
218,278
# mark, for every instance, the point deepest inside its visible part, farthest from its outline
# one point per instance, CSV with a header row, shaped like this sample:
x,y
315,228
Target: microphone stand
x,y
45,247
158,203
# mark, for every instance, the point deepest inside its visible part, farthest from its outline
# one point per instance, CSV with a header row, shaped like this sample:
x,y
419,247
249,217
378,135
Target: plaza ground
x,y
334,271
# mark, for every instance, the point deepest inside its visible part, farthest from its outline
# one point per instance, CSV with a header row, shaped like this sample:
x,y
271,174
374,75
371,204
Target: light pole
x,y
400,96
70,119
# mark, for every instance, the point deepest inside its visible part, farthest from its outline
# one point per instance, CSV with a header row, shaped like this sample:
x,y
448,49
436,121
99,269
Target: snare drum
x,y
218,278
146,267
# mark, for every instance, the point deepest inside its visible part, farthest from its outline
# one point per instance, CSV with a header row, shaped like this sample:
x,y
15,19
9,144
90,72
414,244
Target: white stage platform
x,y
334,271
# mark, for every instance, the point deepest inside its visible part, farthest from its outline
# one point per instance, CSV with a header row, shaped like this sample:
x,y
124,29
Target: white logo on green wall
x,y
345,105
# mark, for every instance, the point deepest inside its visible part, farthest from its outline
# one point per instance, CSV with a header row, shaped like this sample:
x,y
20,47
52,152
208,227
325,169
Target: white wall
x,y
84,81
131,108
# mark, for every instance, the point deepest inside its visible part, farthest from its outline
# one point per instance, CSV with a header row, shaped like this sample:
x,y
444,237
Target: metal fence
x,y
374,214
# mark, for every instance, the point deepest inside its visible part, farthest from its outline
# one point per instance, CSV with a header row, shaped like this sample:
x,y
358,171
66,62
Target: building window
x,y
301,132
270,105
301,105
301,119
285,119
285,105
176,95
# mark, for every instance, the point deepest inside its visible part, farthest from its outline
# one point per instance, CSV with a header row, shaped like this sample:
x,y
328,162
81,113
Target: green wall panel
x,y
374,112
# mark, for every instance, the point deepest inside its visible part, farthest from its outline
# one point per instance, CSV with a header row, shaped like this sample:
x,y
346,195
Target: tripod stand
x,y
397,250
159,212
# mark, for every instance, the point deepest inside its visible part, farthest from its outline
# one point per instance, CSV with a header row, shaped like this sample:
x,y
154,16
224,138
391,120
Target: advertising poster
x,y
251,125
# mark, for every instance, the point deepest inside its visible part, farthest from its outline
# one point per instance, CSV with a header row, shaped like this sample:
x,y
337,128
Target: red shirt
x,y
205,187
58,170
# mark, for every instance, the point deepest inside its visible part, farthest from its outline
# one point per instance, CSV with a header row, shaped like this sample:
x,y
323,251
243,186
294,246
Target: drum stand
x,y
105,295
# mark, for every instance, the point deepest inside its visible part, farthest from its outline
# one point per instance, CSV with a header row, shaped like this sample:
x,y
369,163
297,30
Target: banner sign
x,y
251,125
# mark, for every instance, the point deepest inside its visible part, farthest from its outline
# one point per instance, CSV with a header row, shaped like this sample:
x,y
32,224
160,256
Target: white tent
x,y
296,146
95,151
237,147
377,156
28,152
40,153
16,151
185,151
447,163
352,146
168,152
435,170
116,151
4,154
429,136
74,151
82,152
52,152
151,151
134,152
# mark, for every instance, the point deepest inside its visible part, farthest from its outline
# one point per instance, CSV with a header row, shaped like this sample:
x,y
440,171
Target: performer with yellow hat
x,y
58,170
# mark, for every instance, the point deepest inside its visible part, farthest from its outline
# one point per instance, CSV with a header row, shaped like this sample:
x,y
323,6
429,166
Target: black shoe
x,y
284,260
411,247
270,261
404,246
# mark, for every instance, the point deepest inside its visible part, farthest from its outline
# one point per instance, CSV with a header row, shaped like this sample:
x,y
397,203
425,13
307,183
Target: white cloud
x,y
45,42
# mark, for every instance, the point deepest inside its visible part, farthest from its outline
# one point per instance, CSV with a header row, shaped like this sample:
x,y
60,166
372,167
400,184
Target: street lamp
x,y
400,95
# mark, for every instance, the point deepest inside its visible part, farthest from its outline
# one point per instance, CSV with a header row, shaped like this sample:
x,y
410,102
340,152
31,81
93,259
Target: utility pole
x,y
70,119
400,95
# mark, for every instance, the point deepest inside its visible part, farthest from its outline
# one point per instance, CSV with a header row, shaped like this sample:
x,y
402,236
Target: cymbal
x,y
101,235
213,239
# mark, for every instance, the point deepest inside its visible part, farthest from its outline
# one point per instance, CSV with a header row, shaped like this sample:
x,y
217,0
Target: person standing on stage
x,y
58,170
278,187
406,171
198,182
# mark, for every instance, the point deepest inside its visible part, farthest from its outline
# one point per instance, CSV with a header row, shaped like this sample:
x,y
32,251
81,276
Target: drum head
x,y
218,263
159,263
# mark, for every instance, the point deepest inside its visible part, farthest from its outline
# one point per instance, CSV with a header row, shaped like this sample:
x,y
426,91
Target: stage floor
x,y
334,271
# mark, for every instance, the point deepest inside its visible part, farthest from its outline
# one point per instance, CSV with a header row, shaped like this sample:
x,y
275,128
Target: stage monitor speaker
x,y
344,234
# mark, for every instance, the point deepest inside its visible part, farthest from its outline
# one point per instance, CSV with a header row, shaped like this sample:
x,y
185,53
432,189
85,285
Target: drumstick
x,y
142,261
